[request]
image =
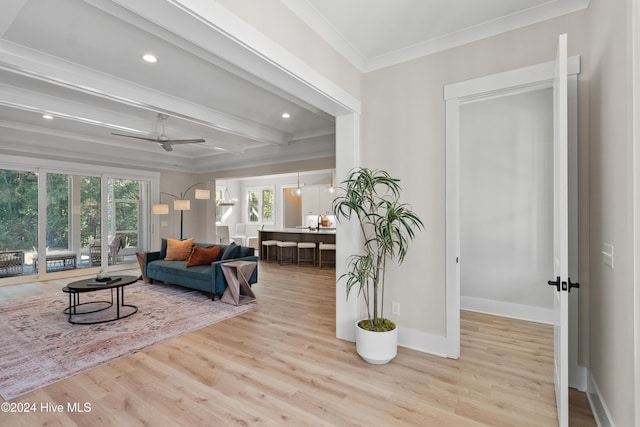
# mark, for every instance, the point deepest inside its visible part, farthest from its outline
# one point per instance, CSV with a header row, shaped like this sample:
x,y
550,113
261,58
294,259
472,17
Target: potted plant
x,y
387,226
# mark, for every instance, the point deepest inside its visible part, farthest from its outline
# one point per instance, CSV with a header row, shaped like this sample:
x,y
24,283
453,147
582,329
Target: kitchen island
x,y
324,235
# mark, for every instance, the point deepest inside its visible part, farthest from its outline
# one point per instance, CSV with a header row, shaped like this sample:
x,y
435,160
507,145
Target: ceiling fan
x,y
163,139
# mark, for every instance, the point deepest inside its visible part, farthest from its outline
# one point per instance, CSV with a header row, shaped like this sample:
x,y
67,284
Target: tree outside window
x,y
267,205
218,207
260,205
73,219
254,206
18,209
124,214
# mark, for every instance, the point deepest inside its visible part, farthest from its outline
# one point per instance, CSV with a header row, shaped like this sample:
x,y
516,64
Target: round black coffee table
x,y
122,310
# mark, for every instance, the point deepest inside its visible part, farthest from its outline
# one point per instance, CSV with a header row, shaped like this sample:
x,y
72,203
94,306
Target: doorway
x,y
291,209
506,205
457,95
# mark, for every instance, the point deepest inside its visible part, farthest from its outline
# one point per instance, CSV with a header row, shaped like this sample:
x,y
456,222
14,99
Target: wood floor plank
x,y
281,364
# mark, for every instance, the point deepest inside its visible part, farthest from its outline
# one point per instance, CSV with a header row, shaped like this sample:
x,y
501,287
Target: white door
x,y
561,281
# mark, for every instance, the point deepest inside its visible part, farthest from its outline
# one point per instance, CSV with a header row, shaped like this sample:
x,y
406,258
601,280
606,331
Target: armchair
x,y
222,234
95,251
11,262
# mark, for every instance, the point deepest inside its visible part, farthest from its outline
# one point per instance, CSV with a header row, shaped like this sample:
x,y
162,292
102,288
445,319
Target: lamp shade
x,y
182,205
159,209
203,194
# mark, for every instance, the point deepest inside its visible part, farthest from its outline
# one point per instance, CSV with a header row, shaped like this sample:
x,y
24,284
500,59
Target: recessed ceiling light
x,y
286,115
149,58
47,116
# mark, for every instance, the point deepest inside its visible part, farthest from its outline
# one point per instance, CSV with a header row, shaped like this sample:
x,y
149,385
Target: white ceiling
x,y
80,61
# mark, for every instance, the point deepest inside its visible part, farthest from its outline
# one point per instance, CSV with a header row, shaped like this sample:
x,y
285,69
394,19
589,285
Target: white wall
x,y
611,209
506,199
194,223
239,188
404,132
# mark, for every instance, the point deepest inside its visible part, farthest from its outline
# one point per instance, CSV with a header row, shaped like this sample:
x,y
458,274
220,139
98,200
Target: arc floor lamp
x,y
181,203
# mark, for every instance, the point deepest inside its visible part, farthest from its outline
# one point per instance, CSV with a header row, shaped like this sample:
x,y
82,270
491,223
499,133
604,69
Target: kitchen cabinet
x,y
310,200
316,200
325,200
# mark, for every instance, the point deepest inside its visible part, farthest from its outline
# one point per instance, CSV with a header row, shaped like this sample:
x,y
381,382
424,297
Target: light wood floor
x,y
282,365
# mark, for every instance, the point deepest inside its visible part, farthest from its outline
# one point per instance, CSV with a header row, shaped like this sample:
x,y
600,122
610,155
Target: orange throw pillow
x,y
178,250
203,256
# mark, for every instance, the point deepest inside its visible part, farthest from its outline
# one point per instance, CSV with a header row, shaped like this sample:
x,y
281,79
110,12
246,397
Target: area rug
x,y
38,346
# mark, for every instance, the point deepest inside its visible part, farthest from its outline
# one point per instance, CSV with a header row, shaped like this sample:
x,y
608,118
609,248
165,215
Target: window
x,y
218,207
260,205
124,218
58,211
18,221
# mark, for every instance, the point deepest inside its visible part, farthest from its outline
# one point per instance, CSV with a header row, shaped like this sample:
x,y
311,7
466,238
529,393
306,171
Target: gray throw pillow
x,y
163,249
230,252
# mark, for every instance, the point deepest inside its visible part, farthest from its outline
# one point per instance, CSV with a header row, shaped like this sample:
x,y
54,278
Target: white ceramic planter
x,y
376,348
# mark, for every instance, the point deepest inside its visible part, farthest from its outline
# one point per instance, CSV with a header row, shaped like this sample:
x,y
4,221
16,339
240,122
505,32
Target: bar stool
x,y
266,244
288,246
307,245
326,247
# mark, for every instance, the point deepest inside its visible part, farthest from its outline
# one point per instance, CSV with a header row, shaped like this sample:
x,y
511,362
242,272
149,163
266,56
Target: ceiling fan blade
x,y
136,137
186,141
163,140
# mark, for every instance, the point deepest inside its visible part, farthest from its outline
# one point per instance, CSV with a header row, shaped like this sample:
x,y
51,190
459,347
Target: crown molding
x,y
501,25
317,22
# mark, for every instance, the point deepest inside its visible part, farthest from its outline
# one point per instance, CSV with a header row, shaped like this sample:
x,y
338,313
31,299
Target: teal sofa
x,y
206,278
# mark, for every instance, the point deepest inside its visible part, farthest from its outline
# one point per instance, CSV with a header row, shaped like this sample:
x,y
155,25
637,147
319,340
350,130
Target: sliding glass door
x,y
71,213
73,221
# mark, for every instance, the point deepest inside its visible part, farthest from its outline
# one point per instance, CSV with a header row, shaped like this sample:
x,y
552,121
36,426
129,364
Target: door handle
x,y
573,285
555,283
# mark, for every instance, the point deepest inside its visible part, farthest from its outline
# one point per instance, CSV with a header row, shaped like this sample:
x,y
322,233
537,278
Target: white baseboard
x,y
422,341
507,309
598,406
578,379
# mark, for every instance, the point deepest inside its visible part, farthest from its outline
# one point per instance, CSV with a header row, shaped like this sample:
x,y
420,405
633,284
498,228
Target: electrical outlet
x,y
395,308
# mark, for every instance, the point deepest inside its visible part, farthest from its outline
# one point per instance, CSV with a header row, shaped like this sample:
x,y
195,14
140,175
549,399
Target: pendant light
x,y
227,200
297,191
332,189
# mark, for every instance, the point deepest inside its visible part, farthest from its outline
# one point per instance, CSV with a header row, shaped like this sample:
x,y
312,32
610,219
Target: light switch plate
x,y
607,254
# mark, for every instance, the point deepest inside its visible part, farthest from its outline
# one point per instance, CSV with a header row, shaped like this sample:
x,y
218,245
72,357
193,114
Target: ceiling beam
x,y
27,100
119,12
215,29
30,63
